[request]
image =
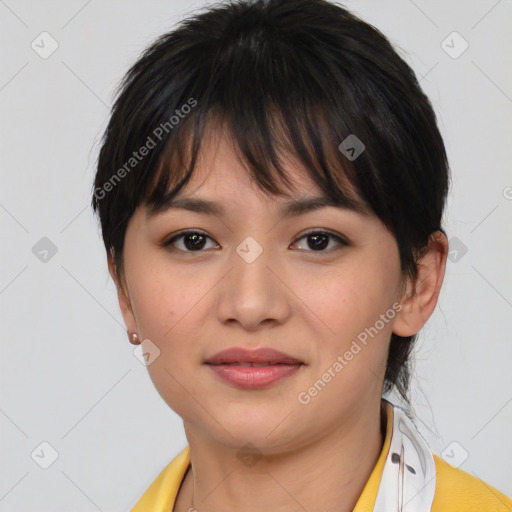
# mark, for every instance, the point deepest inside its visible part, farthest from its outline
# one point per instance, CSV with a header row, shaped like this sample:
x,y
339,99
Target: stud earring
x,y
134,338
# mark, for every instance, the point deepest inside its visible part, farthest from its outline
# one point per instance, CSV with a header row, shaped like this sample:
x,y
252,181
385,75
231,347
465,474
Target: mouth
x,y
253,369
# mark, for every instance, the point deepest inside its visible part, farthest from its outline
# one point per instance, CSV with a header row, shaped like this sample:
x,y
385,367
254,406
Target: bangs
x,y
272,145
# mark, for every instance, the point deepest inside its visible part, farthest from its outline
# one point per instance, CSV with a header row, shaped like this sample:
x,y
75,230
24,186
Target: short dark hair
x,y
292,76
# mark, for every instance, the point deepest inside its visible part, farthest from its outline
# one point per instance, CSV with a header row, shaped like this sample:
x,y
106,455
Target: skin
x,y
306,302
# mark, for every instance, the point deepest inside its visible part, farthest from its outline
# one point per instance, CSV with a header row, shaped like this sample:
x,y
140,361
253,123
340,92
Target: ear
x,y
122,295
420,297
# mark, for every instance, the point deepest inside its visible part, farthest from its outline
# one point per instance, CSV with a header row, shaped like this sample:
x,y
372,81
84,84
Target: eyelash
x,y
168,243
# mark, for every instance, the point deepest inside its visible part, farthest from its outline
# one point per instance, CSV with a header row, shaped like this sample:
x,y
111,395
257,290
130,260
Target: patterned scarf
x,y
408,480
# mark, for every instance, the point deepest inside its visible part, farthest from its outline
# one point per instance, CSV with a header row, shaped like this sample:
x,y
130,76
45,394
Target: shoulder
x,y
459,491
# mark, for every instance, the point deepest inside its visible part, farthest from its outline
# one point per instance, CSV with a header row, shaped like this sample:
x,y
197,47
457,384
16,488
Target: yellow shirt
x,y
456,490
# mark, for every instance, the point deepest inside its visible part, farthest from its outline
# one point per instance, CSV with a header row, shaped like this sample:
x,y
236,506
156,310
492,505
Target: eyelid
x,y
320,231
168,240
184,232
341,240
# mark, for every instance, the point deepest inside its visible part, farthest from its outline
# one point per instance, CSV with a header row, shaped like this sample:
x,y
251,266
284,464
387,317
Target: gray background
x,y
68,374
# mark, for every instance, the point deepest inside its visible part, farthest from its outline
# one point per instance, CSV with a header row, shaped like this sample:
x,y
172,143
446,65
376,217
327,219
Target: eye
x,y
319,240
195,241
190,241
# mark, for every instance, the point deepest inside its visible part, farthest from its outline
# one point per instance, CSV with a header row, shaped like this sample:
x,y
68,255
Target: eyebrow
x,y
291,208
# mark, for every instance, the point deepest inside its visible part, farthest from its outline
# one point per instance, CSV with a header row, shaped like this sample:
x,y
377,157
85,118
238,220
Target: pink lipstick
x,y
253,369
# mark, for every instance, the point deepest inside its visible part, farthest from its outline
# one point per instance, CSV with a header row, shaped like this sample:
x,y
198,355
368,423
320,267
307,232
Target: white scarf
x,y
408,480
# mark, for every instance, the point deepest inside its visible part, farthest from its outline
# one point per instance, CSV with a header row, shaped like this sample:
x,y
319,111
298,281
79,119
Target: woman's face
x,y
253,279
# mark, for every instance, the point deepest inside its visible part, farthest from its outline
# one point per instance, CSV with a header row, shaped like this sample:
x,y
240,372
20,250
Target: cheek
x,y
156,307
169,307
347,303
348,298
167,318
351,344
162,297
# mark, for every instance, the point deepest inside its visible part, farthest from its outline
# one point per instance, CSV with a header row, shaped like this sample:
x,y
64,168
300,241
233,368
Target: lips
x,y
253,369
237,356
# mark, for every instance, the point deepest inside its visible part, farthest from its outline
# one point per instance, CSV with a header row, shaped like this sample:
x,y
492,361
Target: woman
x,y
270,188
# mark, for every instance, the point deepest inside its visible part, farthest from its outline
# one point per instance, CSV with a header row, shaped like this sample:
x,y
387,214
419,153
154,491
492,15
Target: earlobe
x,y
420,298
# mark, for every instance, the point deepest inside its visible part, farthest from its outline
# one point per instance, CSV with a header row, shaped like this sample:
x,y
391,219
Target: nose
x,y
253,293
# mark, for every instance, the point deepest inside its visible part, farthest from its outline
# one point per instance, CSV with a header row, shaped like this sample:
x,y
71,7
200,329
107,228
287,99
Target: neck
x,y
327,475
